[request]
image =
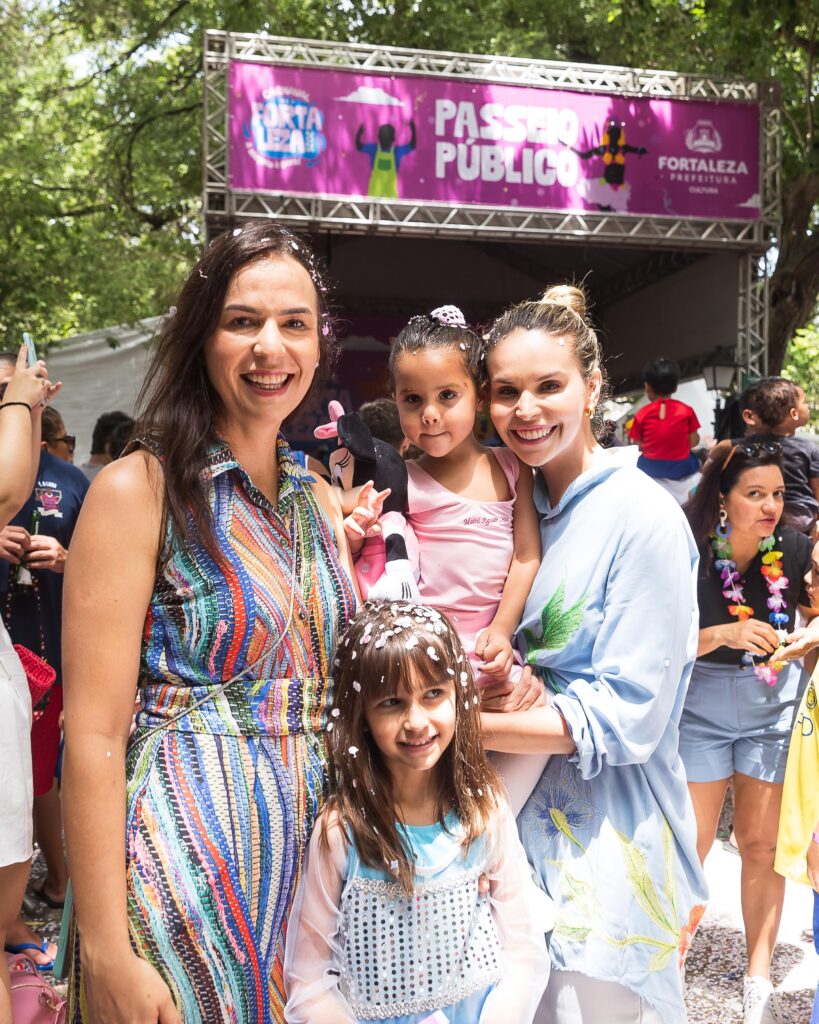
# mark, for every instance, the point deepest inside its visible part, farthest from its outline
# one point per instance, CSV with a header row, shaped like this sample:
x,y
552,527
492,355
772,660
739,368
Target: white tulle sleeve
x,y
312,955
523,913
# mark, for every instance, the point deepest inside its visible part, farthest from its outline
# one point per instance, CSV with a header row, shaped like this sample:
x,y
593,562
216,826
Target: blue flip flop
x,y
21,947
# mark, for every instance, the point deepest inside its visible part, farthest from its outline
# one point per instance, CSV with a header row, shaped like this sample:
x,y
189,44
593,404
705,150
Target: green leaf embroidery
x,y
577,933
670,884
559,626
660,959
644,890
561,823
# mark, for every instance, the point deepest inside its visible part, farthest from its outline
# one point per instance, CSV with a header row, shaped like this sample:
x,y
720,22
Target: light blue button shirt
x,y
611,627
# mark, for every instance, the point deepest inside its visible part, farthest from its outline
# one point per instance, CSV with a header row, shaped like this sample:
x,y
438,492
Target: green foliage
x,y
100,122
802,366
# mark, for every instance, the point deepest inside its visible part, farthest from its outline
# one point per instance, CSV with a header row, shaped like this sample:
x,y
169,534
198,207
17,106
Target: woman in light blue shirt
x,y
610,627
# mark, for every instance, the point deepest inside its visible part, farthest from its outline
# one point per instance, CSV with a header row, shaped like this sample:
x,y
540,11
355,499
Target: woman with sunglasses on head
x,y
747,681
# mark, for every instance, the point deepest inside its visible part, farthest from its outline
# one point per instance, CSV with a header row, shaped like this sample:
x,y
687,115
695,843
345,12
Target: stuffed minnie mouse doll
x,y
372,477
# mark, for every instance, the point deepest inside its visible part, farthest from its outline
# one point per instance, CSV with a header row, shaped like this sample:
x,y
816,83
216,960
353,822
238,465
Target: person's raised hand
x,y
504,695
45,553
494,649
798,643
362,522
14,542
29,384
752,635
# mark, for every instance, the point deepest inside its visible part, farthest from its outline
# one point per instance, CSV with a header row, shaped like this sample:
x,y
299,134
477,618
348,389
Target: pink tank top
x,y
466,547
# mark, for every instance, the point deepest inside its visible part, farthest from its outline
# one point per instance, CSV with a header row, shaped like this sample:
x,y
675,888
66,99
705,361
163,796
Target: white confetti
x,y
462,346
335,712
475,700
329,727
432,653
237,231
203,276
450,672
466,705
394,866
353,750
356,686
355,655
411,642
171,311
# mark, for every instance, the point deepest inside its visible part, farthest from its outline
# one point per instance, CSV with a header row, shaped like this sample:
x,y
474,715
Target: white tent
x,y
101,371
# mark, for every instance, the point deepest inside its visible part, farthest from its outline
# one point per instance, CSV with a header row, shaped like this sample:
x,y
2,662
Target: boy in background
x,y
772,409
381,416
666,431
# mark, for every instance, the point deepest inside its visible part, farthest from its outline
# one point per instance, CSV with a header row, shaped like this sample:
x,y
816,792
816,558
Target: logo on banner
x,y
703,137
285,128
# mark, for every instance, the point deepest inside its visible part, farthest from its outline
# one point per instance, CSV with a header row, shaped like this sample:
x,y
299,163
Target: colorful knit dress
x,y
221,800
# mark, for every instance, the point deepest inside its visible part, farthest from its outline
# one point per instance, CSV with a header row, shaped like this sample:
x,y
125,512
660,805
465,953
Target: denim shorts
x,y
734,722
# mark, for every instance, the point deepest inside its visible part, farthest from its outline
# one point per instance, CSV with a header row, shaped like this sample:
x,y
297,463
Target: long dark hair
x,y
403,642
177,404
726,463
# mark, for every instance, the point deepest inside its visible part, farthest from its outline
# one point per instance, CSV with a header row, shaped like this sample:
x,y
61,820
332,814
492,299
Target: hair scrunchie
x,y
449,316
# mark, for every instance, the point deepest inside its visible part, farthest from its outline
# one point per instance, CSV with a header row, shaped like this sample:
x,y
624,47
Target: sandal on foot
x,y
49,901
21,947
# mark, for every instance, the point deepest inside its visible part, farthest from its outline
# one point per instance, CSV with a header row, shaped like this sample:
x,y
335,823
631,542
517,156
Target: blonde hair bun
x,y
567,295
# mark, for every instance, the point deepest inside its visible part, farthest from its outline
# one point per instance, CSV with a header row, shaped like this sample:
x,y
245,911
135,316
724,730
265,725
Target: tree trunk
x,y
795,281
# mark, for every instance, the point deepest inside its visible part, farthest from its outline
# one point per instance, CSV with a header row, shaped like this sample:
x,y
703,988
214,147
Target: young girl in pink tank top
x,y
470,506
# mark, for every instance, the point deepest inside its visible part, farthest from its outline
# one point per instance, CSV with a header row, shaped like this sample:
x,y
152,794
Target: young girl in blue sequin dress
x,y
393,921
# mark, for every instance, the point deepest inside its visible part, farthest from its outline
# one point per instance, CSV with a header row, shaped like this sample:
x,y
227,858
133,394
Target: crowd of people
x,y
477,788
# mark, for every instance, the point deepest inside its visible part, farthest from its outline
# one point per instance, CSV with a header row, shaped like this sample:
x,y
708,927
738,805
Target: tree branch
x,y
147,39
155,220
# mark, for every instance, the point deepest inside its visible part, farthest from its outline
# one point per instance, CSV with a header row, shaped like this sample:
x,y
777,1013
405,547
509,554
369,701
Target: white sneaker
x,y
760,1003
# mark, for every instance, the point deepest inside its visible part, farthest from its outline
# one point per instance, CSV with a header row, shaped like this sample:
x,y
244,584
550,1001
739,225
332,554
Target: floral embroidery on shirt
x,y
557,627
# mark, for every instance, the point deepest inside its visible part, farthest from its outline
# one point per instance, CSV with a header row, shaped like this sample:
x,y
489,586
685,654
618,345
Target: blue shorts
x,y
734,722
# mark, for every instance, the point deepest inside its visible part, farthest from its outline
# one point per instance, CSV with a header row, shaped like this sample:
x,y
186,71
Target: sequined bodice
x,y
407,954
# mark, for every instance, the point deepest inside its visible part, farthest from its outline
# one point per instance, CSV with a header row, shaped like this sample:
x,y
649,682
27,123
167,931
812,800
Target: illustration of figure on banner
x,y
385,159
610,192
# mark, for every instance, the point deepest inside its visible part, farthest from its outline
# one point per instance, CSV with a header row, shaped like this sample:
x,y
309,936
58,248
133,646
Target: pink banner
x,y
339,133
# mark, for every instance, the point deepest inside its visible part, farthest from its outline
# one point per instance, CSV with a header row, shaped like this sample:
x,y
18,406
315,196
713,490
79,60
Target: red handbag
x,y
33,1000
39,673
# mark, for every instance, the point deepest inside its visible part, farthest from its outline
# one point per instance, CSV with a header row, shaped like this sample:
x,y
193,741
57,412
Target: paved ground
x,y
716,962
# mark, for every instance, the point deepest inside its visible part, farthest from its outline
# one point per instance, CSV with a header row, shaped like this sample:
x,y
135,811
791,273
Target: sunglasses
x,y
753,449
68,439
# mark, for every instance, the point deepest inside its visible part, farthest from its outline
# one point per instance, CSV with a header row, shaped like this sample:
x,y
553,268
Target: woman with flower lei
x,y
747,680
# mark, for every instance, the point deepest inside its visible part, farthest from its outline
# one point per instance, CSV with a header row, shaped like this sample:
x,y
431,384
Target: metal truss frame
x,y
222,206
752,315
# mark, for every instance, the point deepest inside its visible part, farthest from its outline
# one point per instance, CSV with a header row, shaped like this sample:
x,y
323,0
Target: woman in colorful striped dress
x,y
209,572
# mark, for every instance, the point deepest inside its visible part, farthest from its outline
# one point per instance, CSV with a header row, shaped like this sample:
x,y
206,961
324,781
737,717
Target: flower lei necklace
x,y
732,590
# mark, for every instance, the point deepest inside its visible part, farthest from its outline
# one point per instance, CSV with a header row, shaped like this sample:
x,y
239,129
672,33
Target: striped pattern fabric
x,y
221,801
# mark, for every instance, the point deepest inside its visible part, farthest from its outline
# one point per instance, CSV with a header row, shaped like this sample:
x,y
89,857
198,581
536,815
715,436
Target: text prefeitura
x,y
546,159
